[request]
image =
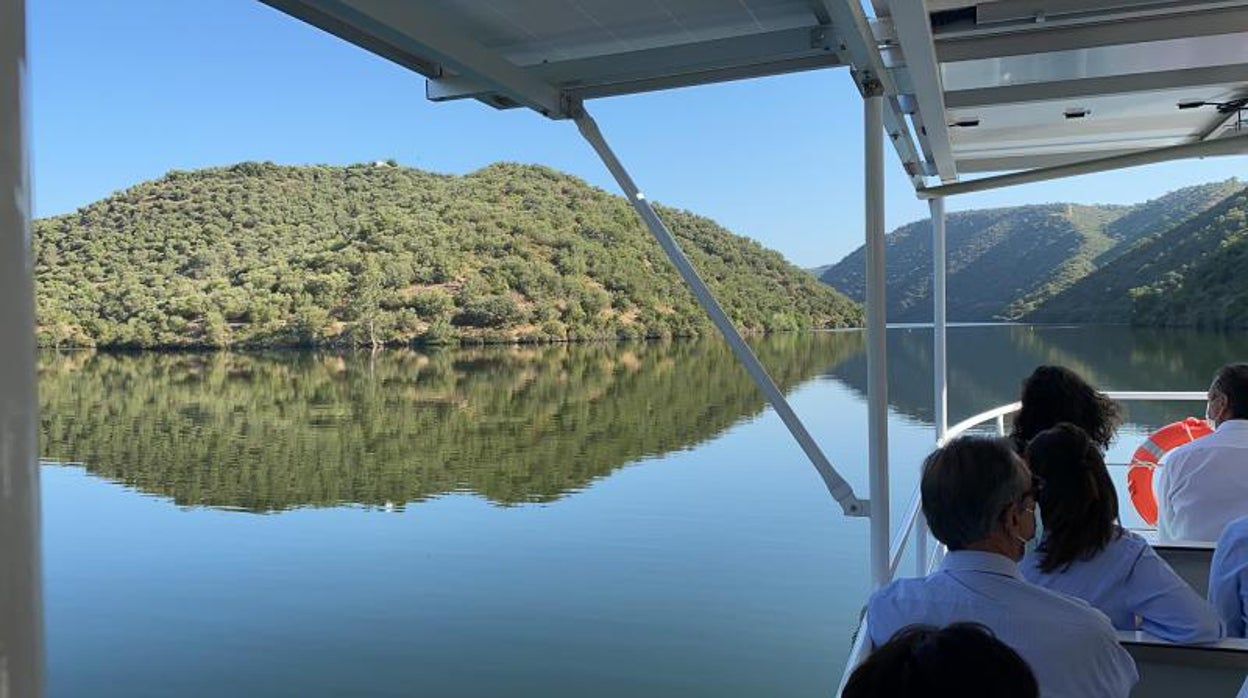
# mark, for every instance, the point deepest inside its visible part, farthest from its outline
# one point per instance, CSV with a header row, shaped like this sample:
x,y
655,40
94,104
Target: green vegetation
x,y
996,258
1016,263
257,255
1190,274
270,431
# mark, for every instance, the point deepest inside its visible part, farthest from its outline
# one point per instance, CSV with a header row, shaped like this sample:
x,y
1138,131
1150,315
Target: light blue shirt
x,y
1131,584
1228,577
1069,645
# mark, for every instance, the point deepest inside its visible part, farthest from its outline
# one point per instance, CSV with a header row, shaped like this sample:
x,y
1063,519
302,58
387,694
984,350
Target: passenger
x,y
1228,577
978,501
1084,551
1053,394
1203,485
963,659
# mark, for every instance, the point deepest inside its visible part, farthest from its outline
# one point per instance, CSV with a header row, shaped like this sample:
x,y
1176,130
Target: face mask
x,y
1029,544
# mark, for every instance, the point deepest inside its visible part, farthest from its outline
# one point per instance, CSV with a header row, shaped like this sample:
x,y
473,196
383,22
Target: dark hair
x,y
1232,381
1053,394
963,659
967,485
1078,503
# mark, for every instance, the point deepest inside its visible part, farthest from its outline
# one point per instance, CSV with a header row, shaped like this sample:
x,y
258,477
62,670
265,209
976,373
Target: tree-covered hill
x,y
1190,275
997,258
1006,263
1156,216
263,255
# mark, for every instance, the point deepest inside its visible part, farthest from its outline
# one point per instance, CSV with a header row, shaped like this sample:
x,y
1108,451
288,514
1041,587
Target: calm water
x,y
614,520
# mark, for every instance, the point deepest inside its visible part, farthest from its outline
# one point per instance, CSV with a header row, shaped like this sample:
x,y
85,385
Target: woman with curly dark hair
x,y
1084,552
1053,394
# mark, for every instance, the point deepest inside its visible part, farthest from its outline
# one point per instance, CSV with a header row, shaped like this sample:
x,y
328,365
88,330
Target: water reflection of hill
x,y
988,363
270,432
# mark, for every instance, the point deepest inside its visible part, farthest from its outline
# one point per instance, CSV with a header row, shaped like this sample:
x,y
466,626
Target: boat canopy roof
x,y
995,85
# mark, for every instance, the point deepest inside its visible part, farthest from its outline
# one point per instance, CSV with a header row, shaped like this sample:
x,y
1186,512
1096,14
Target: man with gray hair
x,y
979,500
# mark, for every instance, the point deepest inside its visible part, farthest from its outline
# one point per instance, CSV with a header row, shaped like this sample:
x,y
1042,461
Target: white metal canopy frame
x,y
1043,88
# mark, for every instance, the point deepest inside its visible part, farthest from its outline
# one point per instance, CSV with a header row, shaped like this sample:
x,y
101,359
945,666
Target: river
x,y
598,519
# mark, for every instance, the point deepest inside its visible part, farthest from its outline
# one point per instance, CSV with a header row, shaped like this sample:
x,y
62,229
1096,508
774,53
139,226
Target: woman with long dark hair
x,y
1053,394
1085,553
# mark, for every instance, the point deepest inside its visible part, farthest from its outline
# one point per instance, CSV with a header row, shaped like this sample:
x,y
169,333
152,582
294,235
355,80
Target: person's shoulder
x,y
892,606
1029,566
1236,530
1181,452
1130,548
1130,540
897,588
1066,607
1122,551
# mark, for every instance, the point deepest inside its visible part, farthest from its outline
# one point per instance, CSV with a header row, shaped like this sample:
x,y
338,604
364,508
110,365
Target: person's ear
x,y
1014,520
1218,406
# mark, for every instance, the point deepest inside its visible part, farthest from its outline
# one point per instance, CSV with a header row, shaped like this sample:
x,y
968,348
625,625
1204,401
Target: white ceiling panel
x,y
579,48
1099,62
1013,67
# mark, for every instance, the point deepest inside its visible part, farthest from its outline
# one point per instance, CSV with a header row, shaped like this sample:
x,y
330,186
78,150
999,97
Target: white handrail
x,y
966,424
1123,395
898,547
1159,395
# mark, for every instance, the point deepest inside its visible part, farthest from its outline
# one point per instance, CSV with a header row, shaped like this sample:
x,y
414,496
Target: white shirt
x,y
1131,584
1203,485
1069,645
1228,577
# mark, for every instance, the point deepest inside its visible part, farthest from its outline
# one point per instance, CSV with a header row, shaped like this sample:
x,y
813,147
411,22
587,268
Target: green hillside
x,y
263,255
1189,275
1007,263
1158,215
997,258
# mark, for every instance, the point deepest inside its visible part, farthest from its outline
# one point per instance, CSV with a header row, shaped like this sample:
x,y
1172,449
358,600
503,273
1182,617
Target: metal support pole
x,y
940,372
940,410
1228,145
877,343
837,486
21,621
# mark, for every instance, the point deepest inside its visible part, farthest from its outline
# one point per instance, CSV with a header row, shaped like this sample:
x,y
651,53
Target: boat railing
x,y
913,529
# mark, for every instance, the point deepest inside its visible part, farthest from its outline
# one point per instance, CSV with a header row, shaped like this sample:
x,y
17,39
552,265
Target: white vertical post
x,y
940,410
21,621
837,486
940,369
877,357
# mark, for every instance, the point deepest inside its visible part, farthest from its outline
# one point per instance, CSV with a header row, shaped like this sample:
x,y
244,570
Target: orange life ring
x,y
1147,457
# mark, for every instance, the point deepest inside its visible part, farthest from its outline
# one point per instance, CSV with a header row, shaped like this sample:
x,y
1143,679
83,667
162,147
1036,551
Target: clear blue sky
x,y
125,91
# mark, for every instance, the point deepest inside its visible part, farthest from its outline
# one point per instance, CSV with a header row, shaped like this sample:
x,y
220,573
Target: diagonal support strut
x,y
837,486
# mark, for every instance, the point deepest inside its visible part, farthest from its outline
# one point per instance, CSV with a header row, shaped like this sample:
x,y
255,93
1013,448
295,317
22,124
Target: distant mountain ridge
x,y
261,255
1008,263
1192,274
